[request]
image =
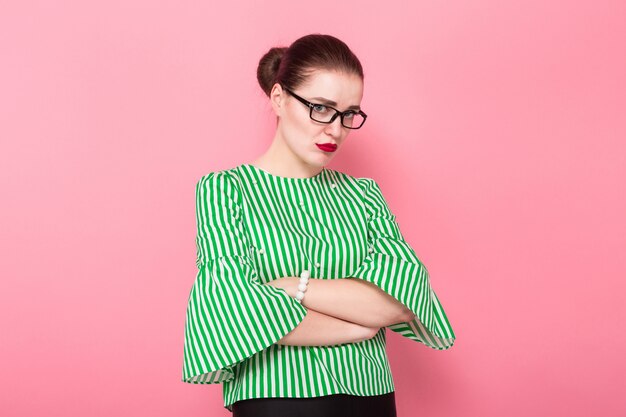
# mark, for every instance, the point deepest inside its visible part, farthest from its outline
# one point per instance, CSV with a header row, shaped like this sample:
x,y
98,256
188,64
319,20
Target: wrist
x,y
302,283
288,284
292,286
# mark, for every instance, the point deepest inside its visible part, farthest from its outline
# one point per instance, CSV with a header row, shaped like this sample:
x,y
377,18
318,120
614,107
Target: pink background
x,y
504,120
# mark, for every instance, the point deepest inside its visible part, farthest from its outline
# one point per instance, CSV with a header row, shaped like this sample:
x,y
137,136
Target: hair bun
x,y
268,68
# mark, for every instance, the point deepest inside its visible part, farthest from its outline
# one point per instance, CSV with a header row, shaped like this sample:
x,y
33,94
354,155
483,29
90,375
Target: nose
x,y
334,128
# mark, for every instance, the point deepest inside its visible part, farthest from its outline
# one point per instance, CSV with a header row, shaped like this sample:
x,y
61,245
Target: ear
x,y
277,98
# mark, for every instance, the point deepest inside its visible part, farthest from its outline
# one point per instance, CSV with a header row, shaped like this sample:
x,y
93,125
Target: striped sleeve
x,y
230,314
393,266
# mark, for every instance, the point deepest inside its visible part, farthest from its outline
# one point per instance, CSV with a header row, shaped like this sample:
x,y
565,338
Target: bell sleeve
x,y
230,314
393,266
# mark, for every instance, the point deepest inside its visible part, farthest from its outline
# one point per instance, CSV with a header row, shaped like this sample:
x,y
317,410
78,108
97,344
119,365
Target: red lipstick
x,y
327,147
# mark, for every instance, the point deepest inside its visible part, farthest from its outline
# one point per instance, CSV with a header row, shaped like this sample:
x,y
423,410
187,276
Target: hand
x,y
362,333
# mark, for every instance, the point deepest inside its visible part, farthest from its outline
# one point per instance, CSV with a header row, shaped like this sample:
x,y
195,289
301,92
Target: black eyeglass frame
x,y
310,105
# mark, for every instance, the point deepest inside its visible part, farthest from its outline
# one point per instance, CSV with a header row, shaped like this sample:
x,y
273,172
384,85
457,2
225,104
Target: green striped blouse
x,y
254,227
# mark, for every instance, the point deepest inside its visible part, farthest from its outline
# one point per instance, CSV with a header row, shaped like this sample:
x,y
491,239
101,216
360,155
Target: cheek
x,y
302,127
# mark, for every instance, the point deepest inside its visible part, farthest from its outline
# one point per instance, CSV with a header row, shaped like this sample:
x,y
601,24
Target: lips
x,y
327,147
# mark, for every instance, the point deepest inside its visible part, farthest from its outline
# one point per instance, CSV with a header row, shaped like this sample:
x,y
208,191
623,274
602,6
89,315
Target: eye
x,y
349,115
319,108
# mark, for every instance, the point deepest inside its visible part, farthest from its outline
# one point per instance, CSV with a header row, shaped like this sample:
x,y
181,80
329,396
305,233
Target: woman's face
x,y
298,131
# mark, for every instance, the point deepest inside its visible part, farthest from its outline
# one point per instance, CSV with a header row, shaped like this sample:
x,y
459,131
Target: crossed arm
x,y
345,310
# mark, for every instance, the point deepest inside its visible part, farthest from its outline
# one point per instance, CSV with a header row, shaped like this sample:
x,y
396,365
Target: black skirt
x,y
335,405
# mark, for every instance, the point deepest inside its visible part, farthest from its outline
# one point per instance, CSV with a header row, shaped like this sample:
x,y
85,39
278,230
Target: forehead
x,y
343,88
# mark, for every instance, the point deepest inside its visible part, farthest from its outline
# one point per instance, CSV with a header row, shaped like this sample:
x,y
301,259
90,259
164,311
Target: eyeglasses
x,y
352,119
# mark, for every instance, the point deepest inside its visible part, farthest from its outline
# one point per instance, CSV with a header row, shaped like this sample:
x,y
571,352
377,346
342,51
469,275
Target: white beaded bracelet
x,y
304,281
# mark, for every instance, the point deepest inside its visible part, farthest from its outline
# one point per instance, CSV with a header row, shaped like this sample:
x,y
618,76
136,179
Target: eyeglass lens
x,y
324,114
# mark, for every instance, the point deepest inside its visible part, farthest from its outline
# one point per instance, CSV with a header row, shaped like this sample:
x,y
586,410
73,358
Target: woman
x,y
302,268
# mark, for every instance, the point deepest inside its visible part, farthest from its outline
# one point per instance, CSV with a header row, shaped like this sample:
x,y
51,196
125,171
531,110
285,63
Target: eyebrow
x,y
334,103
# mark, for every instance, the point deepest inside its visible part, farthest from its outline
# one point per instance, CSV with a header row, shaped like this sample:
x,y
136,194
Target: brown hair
x,y
293,65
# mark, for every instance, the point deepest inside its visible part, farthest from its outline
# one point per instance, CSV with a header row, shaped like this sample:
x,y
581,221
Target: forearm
x,y
318,329
353,300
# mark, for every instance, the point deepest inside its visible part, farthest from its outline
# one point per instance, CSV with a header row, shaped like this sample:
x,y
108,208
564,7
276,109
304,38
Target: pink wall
x,y
505,119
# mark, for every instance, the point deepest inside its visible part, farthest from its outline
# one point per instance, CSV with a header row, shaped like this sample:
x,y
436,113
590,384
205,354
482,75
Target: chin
x,y
315,162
